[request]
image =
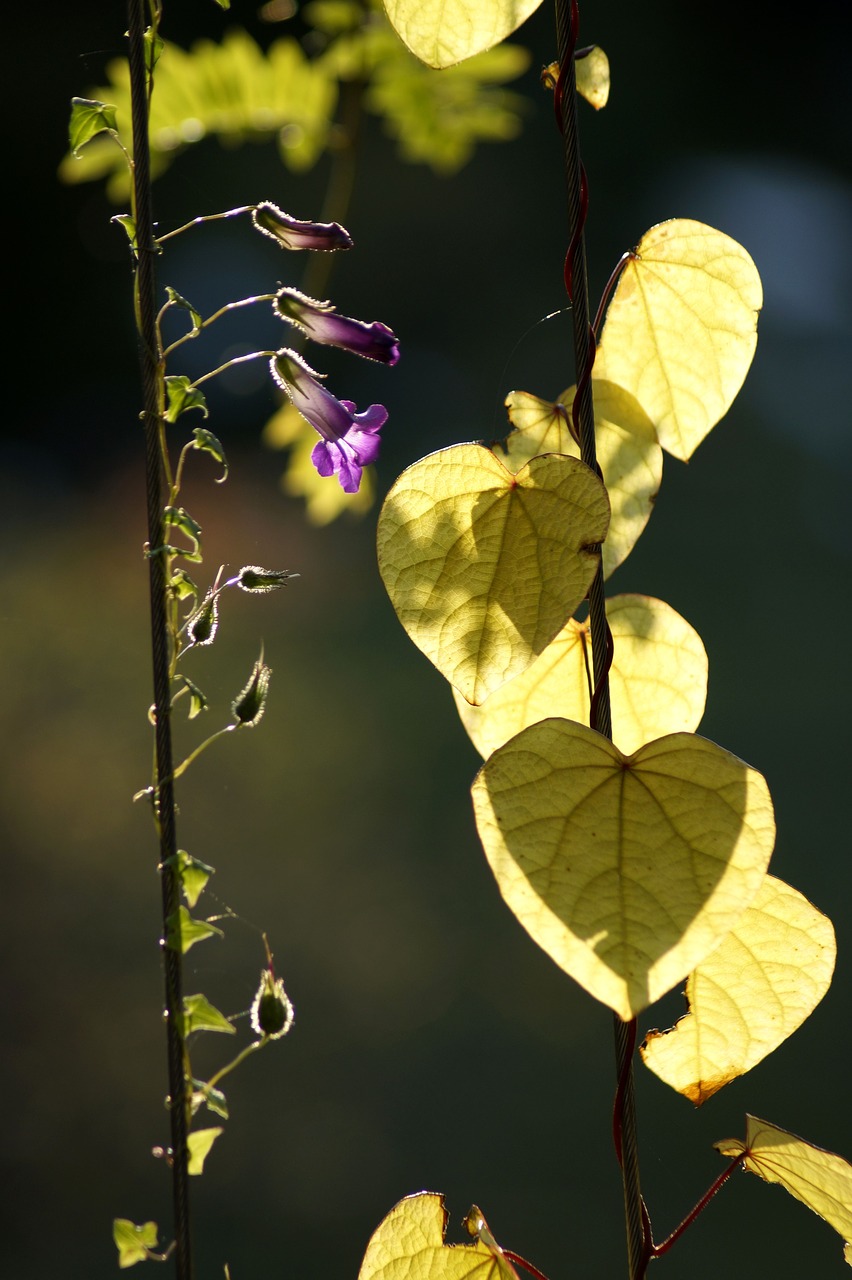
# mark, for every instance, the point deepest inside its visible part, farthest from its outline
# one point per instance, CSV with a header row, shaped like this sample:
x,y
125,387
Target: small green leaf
x,y
154,46
194,875
213,1099
177,300
133,1243
184,931
178,518
197,700
88,119
206,442
182,586
183,395
200,1015
198,1145
127,221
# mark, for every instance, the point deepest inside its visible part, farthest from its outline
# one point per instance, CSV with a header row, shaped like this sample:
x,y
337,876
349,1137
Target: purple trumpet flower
x,y
321,323
349,440
293,234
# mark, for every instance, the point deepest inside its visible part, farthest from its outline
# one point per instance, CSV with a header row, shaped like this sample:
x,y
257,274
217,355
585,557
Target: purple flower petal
x,y
290,233
350,440
320,322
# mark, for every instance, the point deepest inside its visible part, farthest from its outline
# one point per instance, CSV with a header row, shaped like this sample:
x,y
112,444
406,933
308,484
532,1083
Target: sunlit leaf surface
x,y
198,1144
820,1179
626,870
657,682
749,995
593,81
629,454
681,329
443,32
133,1242
409,1245
484,567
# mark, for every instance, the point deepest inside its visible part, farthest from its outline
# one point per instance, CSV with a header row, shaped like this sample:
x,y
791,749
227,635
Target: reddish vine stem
x,y
657,1250
164,801
576,283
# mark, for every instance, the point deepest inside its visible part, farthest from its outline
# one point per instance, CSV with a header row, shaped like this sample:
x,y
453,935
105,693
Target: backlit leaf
x,y
89,118
409,1245
748,996
198,1145
200,1015
443,32
681,329
484,567
628,453
592,73
658,680
626,870
133,1242
184,931
820,1179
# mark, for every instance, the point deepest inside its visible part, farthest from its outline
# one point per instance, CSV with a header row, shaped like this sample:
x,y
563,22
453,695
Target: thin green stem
x,y
241,1057
253,355
205,324
207,217
152,374
181,769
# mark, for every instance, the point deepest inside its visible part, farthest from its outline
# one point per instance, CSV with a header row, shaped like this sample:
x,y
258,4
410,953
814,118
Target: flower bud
x,y
271,1011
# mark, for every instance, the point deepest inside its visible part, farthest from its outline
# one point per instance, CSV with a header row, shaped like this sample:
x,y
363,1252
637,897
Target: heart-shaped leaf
x,y
484,567
409,1245
626,870
748,996
657,682
681,330
629,454
820,1179
443,32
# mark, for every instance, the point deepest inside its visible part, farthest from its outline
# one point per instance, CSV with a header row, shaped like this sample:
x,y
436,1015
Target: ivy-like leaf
x,y
198,1145
182,585
184,931
134,1243
626,870
200,1015
443,32
681,329
658,680
177,300
178,518
128,222
409,1245
182,395
193,874
820,1179
484,567
211,1098
748,996
88,119
206,442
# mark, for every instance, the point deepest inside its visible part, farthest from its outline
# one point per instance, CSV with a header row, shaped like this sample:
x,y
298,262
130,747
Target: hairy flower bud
x,y
250,705
271,1011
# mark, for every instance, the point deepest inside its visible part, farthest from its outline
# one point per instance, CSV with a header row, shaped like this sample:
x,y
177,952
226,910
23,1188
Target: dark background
x,y
435,1046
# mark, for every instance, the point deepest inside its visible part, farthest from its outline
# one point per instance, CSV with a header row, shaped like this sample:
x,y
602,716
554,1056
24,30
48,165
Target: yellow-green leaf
x,y
626,870
198,1145
485,567
443,32
748,996
409,1245
134,1243
593,77
657,682
629,454
820,1179
681,330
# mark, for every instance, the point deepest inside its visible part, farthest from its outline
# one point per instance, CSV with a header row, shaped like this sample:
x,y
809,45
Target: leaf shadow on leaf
x,y
627,870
